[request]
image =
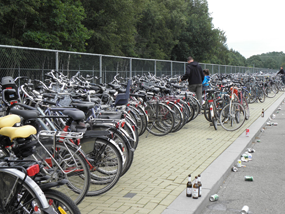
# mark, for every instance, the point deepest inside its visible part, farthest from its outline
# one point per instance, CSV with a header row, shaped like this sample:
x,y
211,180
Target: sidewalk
x,y
157,178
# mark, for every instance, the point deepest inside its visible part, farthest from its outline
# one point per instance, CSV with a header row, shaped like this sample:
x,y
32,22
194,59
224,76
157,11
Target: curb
x,y
219,169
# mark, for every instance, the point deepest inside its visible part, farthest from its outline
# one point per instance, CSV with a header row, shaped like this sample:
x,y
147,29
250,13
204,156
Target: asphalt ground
x,y
265,193
157,179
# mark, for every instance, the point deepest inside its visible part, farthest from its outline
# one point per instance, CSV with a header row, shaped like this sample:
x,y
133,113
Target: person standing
x,y
195,76
205,83
282,72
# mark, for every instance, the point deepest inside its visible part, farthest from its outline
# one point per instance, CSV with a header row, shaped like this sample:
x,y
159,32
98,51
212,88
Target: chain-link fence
x,y
34,63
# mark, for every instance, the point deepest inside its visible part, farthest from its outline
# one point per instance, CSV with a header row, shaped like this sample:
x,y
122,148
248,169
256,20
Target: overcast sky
x,y
251,26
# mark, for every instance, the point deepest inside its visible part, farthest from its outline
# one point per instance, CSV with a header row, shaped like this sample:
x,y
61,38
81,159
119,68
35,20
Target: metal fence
x,y
34,62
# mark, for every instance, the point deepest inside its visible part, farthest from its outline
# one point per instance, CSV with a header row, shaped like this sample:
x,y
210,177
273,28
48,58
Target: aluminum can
x,y
247,132
238,163
214,197
273,116
274,124
250,150
268,124
248,178
234,169
249,156
245,155
245,209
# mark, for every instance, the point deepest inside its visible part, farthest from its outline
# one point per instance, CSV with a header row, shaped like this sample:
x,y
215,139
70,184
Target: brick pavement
x,y
161,166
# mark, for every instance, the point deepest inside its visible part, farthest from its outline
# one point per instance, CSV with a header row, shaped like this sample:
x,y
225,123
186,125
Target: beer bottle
x,y
195,189
189,187
200,185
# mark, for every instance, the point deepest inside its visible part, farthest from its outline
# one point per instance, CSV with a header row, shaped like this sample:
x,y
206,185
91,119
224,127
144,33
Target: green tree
x,y
113,25
54,24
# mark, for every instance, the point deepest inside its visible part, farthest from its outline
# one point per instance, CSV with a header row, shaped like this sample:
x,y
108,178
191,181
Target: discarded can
x,y
214,197
258,141
274,124
248,178
245,155
234,169
247,132
238,163
262,130
273,116
268,124
243,159
250,150
279,108
249,156
245,210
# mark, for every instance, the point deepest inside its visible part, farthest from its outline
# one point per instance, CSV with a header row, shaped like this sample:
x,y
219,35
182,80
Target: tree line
x,y
157,29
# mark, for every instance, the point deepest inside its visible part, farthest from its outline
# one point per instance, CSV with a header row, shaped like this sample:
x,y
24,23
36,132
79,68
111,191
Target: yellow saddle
x,y
9,120
18,132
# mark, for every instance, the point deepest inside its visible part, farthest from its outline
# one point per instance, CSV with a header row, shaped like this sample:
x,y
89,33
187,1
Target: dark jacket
x,y
281,72
194,73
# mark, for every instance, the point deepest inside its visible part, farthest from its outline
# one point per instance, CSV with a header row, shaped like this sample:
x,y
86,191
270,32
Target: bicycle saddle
x,y
110,115
74,114
18,132
26,114
9,120
84,106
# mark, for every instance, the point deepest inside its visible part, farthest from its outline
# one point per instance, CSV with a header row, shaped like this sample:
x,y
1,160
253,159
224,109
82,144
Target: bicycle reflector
x,y
210,101
123,124
33,170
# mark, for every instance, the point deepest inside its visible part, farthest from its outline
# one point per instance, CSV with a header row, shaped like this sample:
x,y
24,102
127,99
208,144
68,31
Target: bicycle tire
x,y
246,108
178,117
19,194
122,141
79,181
261,95
270,91
60,202
232,116
162,123
107,159
144,118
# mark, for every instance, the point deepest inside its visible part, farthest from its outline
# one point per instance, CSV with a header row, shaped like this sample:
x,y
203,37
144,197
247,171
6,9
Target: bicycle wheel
x,y
246,108
73,164
215,123
107,163
161,119
178,117
261,95
60,202
270,91
144,118
20,194
253,95
196,105
232,116
207,113
121,140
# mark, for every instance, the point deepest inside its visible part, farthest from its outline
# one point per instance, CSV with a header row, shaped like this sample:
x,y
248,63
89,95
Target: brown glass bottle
x,y
195,189
189,187
200,186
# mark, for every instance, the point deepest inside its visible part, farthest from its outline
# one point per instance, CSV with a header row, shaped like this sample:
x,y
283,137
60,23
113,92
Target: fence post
x,y
131,67
171,68
155,67
100,69
56,63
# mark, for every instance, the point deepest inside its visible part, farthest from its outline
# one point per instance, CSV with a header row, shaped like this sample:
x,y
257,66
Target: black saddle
x,y
26,114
